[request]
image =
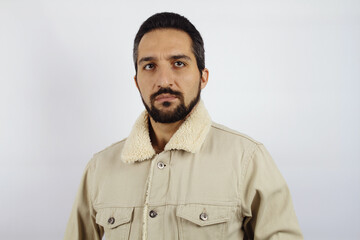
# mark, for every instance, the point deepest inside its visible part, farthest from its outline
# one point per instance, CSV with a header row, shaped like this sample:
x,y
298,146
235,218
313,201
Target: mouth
x,y
165,97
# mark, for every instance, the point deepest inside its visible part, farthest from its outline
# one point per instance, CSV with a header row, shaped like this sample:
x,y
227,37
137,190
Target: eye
x,y
179,64
149,66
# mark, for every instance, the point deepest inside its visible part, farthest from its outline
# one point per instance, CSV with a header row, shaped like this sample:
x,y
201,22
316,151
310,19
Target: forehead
x,y
163,42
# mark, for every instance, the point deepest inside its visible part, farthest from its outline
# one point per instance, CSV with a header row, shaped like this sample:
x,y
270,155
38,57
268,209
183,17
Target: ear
x,y
136,83
204,78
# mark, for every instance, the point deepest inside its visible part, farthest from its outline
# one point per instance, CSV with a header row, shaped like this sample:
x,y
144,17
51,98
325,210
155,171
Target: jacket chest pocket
x,y
196,221
115,221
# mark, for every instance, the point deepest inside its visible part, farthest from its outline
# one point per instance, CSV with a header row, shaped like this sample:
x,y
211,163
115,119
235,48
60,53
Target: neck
x,y
161,133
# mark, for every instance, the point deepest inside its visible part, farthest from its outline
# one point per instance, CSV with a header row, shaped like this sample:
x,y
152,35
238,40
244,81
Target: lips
x,y
165,97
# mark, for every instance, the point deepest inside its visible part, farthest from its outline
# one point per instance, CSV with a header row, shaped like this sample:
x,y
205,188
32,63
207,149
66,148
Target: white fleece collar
x,y
189,137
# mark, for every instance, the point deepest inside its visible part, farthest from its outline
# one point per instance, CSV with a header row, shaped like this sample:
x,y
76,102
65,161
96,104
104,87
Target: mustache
x,y
166,90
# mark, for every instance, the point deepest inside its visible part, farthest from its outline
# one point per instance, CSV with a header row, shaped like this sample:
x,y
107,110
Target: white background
x,y
287,73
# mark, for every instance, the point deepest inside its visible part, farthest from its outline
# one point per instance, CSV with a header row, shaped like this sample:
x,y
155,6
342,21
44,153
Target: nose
x,y
164,78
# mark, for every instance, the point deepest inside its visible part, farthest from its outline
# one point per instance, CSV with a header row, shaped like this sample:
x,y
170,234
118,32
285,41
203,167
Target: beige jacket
x,y
210,182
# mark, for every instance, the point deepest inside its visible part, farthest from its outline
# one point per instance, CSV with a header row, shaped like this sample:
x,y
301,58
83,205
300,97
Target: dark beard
x,y
178,114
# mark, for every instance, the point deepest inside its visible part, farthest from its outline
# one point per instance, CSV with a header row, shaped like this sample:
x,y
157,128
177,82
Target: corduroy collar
x,y
189,137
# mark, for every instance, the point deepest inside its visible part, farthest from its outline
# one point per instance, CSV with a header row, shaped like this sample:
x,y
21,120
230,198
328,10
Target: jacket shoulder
x,y
113,149
221,129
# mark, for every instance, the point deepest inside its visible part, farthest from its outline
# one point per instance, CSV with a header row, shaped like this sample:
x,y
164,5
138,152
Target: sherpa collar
x,y
189,137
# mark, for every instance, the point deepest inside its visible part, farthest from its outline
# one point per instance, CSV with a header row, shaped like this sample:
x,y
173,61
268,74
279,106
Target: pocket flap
x,y
113,217
204,215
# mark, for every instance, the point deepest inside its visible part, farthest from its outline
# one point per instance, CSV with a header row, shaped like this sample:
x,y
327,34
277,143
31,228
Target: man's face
x,y
168,78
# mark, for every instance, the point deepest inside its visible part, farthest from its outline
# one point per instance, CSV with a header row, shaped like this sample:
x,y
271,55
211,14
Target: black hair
x,y
175,21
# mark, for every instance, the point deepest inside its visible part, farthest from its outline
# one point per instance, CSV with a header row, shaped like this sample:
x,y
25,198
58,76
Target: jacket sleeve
x,y
82,222
266,202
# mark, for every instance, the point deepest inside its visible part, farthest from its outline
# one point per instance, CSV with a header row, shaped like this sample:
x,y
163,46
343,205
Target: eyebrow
x,y
174,57
182,56
146,59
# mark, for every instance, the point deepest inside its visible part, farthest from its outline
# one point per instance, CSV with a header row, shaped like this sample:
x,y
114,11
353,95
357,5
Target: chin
x,y
168,106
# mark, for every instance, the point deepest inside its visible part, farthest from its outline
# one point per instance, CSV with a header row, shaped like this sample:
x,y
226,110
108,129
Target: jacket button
x,y
203,217
152,214
161,165
111,220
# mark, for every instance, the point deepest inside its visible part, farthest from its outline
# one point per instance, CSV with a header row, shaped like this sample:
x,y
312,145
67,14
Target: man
x,y
179,175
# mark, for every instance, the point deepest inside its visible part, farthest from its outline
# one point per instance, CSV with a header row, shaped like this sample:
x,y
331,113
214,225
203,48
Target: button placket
x,y
159,181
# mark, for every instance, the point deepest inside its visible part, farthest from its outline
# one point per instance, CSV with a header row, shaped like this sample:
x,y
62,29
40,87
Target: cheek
x,y
191,90
143,92
144,86
189,78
